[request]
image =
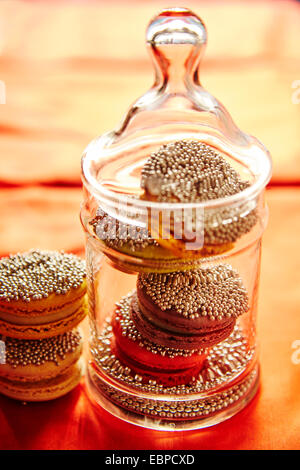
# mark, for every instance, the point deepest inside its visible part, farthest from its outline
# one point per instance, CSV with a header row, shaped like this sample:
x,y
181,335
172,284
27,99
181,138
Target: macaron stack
x,y
151,360
163,332
42,301
166,333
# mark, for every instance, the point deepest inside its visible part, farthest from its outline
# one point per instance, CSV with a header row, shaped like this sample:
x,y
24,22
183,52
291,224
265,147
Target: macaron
x,y
189,171
42,294
190,309
152,362
38,370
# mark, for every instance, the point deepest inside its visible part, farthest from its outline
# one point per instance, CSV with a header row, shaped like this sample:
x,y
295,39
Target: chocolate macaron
x,y
190,309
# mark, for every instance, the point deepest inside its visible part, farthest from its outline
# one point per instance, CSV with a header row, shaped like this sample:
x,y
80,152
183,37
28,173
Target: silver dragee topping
x,y
189,171
21,352
37,274
181,409
216,292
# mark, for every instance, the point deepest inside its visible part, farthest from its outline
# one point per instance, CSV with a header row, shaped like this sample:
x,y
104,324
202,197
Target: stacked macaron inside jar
x,y
178,333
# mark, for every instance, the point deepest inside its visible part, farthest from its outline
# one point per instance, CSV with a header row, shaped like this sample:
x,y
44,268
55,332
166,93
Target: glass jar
x,y
173,247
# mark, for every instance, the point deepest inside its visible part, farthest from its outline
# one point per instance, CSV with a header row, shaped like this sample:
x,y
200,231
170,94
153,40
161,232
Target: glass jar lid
x,y
127,173
176,107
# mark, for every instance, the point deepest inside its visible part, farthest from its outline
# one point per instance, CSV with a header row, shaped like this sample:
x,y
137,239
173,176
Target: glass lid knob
x,y
177,38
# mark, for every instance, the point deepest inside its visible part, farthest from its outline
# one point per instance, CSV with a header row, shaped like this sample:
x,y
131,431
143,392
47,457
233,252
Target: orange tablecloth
x,y
271,421
71,70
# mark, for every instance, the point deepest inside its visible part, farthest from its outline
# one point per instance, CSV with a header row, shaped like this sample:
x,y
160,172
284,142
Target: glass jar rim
x,y
110,197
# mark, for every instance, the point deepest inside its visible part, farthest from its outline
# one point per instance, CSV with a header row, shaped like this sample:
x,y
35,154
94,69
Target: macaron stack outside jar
x,y
42,302
173,214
